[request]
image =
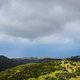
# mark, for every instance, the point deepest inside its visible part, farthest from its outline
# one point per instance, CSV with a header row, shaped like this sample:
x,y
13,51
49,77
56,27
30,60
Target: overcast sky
x,y
39,28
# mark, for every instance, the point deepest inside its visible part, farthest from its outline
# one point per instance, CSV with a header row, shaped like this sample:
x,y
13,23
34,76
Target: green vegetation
x,y
53,70
6,63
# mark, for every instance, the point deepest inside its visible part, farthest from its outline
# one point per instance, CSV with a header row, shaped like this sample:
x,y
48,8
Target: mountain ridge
x,y
6,63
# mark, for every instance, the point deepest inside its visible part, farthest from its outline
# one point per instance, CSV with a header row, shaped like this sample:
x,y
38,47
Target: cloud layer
x,y
40,20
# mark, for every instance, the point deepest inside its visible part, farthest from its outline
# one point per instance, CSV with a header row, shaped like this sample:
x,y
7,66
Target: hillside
x,y
6,63
53,70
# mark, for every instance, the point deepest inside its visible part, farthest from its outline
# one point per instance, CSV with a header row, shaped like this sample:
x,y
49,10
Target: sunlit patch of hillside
x,y
53,70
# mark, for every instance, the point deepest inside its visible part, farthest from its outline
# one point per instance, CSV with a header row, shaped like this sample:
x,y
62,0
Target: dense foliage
x,y
6,63
53,70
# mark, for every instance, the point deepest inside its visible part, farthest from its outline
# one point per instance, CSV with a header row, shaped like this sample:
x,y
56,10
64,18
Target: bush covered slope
x,y
6,63
54,70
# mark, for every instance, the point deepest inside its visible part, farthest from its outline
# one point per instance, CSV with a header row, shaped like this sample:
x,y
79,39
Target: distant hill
x,y
74,58
7,63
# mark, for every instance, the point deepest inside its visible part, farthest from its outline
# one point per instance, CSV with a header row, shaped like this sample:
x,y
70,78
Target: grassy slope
x,y
57,70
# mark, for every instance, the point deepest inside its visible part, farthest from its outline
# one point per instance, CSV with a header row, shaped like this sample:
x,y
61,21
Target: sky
x,y
40,28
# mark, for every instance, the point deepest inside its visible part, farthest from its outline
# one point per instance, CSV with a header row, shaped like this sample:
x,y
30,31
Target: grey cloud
x,y
37,18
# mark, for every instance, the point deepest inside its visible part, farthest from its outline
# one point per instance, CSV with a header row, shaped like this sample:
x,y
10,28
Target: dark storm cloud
x,y
38,18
